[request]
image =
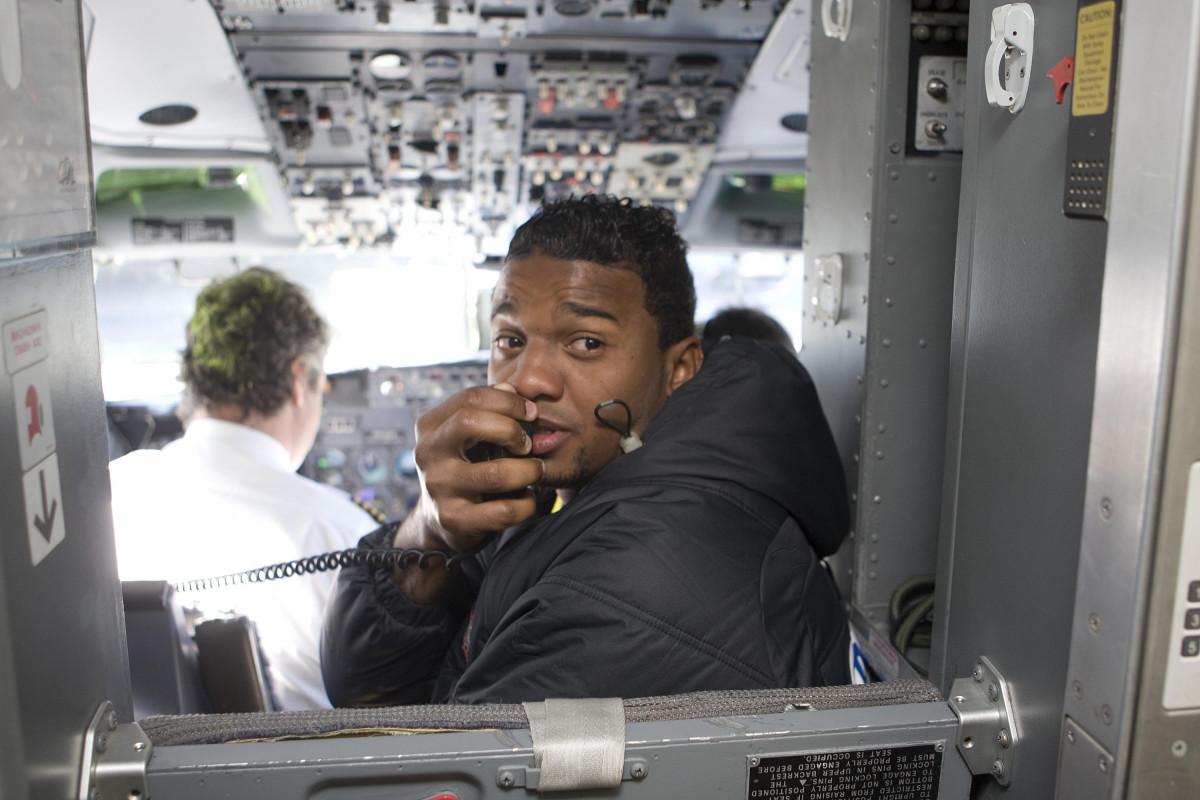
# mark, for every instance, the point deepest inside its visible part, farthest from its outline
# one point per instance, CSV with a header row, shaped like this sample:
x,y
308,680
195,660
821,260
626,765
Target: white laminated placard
x,y
43,508
35,415
25,341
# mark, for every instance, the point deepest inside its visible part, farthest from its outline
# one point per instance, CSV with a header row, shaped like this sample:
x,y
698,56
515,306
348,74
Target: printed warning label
x,y
1094,34
912,772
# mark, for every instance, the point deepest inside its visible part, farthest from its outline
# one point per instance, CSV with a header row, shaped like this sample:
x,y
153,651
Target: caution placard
x,y
43,508
1094,35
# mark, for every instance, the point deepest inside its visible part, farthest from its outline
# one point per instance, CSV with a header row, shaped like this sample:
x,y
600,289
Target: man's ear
x,y
683,362
299,371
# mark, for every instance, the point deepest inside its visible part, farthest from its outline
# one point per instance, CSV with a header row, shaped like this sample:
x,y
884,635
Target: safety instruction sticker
x,y
27,359
25,341
911,772
35,416
43,508
1094,34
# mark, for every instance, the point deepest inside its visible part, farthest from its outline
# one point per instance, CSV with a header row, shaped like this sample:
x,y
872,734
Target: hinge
x,y
115,758
522,777
987,730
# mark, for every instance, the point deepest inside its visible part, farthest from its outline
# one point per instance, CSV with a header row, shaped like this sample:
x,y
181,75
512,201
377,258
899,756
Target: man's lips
x,y
546,437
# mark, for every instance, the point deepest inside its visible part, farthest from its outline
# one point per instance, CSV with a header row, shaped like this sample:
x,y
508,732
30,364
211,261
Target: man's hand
x,y
452,514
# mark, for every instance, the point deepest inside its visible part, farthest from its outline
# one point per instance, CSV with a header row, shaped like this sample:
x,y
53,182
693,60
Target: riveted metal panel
x,y
1023,353
838,204
914,218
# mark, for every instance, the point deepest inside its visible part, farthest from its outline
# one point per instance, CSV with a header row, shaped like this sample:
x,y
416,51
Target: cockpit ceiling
x,y
384,118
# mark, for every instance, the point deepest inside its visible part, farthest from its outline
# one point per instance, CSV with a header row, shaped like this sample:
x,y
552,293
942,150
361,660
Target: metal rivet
x,y
754,762
922,344
887,301
883,429
879,455
1077,690
891,259
993,691
959,699
1106,715
932,177
1070,735
1002,738
893,218
883,382
1179,748
1104,765
1106,508
894,147
877,499
941,748
139,746
1093,622
638,772
977,673
998,768
506,780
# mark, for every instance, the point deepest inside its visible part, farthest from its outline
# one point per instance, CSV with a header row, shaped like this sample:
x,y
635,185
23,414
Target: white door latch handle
x,y
835,18
1009,62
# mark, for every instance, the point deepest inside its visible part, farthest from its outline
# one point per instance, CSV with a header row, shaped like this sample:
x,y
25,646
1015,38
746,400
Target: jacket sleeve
x,y
377,647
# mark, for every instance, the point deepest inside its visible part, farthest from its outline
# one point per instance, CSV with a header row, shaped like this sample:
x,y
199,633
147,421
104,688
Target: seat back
x,y
163,663
231,666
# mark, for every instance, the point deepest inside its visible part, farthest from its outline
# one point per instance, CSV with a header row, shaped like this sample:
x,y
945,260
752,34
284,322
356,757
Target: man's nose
x,y
537,373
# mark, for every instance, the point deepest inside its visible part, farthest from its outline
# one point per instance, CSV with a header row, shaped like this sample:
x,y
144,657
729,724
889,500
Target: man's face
x,y
569,335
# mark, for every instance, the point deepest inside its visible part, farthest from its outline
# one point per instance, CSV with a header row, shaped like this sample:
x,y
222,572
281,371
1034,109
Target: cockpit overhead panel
x,y
389,118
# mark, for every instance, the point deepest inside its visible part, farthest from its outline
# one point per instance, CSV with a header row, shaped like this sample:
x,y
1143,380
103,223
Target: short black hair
x,y
748,322
614,232
241,342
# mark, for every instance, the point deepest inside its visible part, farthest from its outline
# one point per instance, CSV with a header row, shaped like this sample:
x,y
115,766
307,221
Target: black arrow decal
x,y
45,523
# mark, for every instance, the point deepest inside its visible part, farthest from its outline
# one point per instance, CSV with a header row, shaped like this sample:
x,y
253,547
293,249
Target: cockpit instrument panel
x,y
365,442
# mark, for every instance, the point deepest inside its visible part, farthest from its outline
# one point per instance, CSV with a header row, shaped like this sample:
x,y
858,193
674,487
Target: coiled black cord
x,y
390,557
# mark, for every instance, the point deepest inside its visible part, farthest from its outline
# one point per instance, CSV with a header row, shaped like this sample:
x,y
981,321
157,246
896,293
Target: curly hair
x,y
243,338
614,232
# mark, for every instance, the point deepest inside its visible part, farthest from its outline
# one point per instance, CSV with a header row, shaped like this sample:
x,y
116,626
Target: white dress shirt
x,y
224,499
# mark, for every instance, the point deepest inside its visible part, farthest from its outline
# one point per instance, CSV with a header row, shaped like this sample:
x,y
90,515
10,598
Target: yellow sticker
x,y
1093,58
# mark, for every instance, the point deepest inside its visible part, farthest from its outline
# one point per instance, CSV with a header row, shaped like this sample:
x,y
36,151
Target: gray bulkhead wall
x,y
65,649
62,637
1023,365
891,213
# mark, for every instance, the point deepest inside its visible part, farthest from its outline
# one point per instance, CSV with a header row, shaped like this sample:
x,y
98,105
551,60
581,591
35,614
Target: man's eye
x,y
586,344
507,342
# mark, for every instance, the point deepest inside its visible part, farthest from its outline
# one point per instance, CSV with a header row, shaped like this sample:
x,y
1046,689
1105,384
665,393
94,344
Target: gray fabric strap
x,y
578,744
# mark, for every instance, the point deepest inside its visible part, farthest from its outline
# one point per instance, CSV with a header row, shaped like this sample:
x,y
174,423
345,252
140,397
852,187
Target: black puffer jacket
x,y
686,565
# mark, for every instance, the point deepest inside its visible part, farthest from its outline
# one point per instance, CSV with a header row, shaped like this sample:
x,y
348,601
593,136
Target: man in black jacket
x,y
697,501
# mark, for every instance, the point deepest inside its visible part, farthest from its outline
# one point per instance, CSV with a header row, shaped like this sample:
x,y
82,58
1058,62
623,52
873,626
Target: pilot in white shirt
x,y
226,497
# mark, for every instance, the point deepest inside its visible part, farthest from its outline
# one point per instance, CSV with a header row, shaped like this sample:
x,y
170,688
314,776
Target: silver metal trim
x,y
115,759
987,724
1138,327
